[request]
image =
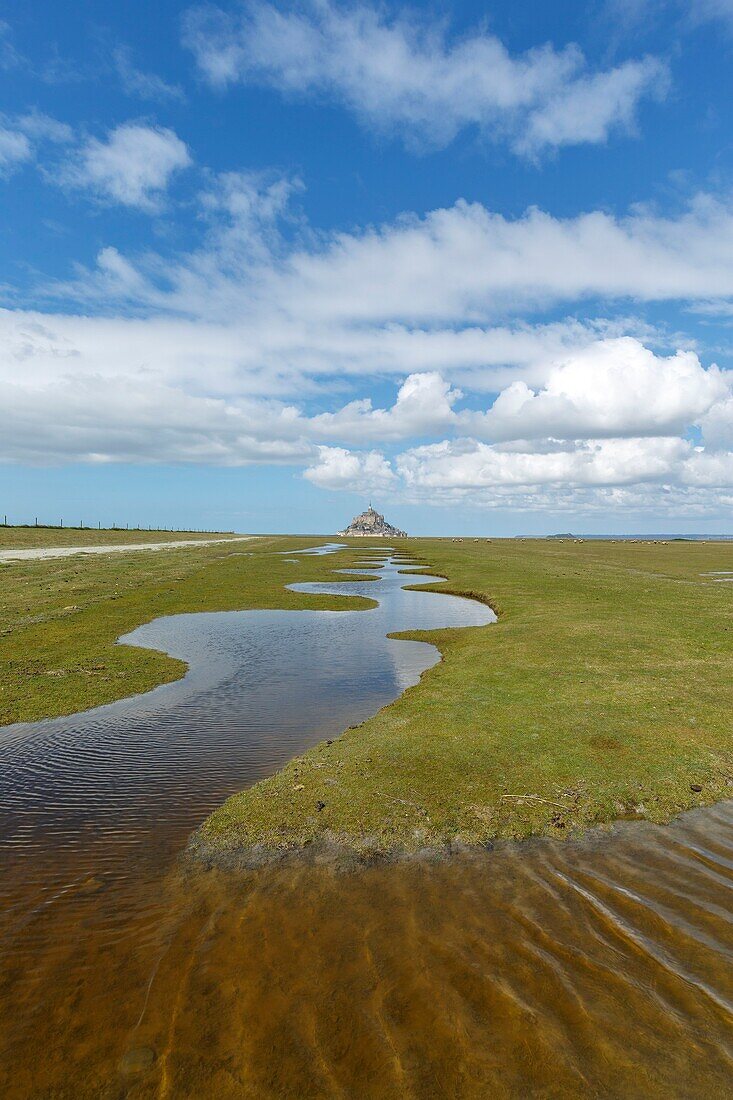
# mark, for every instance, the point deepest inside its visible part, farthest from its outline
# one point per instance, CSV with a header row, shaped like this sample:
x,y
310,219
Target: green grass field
x,y
604,691
20,538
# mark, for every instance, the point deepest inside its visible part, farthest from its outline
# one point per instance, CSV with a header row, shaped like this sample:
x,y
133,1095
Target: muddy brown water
x,y
596,967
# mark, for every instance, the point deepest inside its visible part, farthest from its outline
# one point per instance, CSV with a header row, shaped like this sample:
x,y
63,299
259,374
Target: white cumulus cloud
x,y
469,464
591,106
461,266
404,73
132,166
424,405
338,468
20,136
611,388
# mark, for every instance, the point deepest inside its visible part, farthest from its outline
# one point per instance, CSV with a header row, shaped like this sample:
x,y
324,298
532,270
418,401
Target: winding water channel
x,y
598,967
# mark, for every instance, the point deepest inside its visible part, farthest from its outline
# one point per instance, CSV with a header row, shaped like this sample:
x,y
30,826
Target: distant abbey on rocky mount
x,y
371,524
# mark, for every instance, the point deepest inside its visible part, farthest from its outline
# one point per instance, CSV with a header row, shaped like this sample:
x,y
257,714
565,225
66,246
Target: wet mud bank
x,y
353,853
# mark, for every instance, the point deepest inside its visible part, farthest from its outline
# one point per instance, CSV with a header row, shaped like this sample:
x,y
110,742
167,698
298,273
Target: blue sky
x,y
263,262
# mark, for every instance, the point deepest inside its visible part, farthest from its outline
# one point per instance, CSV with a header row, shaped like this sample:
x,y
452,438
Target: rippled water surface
x,y
594,968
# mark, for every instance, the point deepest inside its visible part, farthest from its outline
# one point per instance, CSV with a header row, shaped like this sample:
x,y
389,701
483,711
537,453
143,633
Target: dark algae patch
x,y
604,692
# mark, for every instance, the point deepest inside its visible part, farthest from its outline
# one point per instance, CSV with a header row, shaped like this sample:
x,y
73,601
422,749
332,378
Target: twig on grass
x,y
534,798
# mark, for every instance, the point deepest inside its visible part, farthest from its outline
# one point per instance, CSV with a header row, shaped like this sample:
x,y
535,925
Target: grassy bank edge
x,y
240,834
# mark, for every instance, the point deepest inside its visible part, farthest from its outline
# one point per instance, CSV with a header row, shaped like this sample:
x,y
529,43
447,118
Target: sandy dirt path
x,y
68,551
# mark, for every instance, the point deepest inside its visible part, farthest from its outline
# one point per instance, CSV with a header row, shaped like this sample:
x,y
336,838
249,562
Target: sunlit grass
x,y
605,690
20,538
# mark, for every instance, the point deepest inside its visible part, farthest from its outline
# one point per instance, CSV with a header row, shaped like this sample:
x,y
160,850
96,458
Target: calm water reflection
x,y
596,968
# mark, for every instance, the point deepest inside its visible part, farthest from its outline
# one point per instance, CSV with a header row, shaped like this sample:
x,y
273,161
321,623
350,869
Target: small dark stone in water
x,y
695,787
320,806
137,1060
329,742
